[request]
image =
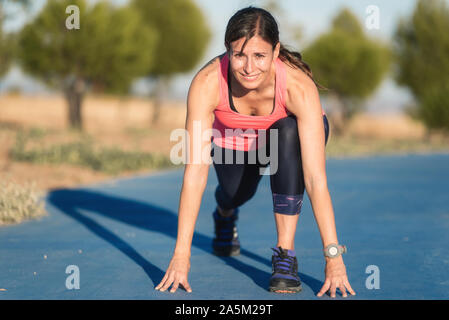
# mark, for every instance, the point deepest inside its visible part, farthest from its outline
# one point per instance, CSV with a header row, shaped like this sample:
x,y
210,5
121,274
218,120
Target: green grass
x,y
85,153
353,146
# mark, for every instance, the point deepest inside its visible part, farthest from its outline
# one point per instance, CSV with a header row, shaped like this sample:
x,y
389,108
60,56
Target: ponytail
x,y
294,59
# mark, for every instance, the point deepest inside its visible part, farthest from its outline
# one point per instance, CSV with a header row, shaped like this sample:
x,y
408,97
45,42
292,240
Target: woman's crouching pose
x,y
256,87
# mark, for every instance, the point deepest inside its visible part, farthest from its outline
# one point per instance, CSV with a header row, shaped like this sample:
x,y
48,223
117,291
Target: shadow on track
x,y
149,217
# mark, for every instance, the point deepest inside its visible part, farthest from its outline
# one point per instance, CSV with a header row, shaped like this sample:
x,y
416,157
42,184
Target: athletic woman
x,y
257,86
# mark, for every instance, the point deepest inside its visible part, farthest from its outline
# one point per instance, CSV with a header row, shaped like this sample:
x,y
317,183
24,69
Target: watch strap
x,y
340,250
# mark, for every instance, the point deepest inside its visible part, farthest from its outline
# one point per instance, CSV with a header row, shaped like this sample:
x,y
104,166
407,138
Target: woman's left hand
x,y
336,277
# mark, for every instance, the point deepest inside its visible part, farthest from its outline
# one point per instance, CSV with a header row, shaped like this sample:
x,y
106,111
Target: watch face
x,y
333,251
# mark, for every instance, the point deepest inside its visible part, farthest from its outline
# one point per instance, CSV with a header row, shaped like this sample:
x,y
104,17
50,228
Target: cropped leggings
x,y
238,181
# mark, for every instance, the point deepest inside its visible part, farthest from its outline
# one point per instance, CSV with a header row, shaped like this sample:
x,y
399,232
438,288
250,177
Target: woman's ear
x,y
276,51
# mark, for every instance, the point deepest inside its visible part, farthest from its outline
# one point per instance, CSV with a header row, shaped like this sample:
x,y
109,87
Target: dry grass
x,y
109,121
387,126
100,113
369,134
19,202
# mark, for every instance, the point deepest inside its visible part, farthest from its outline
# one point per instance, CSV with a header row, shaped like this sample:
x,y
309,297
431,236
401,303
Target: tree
x,y
421,51
349,64
7,43
292,29
5,52
184,36
111,48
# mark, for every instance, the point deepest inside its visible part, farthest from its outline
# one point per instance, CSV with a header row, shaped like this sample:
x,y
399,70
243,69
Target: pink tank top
x,y
238,131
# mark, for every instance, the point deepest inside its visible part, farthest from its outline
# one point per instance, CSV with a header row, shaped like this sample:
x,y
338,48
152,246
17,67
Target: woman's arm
x,y
202,99
201,102
303,101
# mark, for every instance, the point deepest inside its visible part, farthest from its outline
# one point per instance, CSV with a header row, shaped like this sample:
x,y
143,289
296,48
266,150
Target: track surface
x,y
391,212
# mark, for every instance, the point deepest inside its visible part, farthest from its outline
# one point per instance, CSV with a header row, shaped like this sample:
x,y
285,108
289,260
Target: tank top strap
x,y
281,82
223,79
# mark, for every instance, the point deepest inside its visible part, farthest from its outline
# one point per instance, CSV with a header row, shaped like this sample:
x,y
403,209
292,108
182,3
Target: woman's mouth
x,y
250,77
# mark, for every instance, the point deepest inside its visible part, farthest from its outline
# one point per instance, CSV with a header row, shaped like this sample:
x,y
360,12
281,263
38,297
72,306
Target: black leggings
x,y
237,182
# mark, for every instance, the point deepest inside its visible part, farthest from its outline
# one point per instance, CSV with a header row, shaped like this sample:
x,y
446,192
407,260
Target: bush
x,y
421,53
350,64
19,202
434,108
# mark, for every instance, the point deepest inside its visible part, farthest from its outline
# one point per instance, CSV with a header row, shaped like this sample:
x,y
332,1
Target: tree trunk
x,y
74,92
336,114
428,134
157,97
343,109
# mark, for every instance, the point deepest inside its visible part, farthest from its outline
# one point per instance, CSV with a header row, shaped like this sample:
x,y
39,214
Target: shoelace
x,y
283,263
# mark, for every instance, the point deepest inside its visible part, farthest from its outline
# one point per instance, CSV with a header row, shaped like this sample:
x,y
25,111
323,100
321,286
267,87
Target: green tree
x,y
349,64
421,52
7,41
348,23
111,48
5,52
293,29
184,36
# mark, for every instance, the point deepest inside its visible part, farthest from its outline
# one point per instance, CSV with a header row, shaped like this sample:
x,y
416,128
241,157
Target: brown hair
x,y
248,21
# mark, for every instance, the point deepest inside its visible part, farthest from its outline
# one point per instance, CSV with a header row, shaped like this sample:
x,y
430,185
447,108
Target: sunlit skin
x,y
252,82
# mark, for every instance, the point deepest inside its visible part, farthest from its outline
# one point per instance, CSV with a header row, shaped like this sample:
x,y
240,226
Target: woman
x,y
257,85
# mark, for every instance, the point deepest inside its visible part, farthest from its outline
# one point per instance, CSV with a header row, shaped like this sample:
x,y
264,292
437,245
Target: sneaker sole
x,y
288,289
284,285
227,253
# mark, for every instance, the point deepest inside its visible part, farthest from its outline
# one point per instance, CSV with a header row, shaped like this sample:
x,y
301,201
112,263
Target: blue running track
x,y
391,211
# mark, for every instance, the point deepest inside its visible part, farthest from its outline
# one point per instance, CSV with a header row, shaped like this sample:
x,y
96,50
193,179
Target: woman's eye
x,y
260,56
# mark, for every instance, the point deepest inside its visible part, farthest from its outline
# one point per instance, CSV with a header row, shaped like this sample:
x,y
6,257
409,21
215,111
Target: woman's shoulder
x,y
298,83
210,69
206,81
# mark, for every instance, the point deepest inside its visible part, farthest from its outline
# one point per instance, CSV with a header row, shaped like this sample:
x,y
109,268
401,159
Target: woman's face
x,y
252,66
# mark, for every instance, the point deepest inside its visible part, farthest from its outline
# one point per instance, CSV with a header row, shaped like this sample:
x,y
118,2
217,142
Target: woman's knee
x,y
227,199
286,133
287,127
326,129
224,200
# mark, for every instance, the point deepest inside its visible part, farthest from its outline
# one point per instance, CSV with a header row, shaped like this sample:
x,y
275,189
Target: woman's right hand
x,y
176,274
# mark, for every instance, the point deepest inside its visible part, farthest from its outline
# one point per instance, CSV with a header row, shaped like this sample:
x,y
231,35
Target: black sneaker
x,y
285,272
226,242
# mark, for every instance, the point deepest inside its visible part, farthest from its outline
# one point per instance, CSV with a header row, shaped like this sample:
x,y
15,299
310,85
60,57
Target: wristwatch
x,y
334,250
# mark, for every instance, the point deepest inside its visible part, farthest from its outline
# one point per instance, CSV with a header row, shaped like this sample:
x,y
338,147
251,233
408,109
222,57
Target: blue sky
x,y
314,17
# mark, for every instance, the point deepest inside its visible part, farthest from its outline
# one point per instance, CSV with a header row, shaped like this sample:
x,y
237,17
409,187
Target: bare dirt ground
x,y
124,123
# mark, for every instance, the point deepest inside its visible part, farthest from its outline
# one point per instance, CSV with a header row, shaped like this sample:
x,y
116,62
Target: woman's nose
x,y
248,68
